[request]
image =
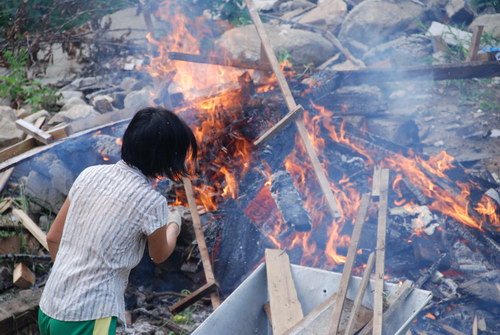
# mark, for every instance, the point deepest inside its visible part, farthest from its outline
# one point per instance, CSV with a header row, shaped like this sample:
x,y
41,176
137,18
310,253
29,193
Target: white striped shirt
x,y
112,210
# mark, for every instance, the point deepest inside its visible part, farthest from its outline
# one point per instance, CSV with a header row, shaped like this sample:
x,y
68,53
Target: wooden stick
x,y
349,264
376,182
290,102
38,124
286,120
31,226
30,129
474,325
474,43
4,178
359,296
312,315
187,301
200,239
451,330
218,61
395,301
286,309
378,300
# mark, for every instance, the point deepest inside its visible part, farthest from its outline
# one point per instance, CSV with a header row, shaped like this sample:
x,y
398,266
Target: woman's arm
x,y
161,243
55,232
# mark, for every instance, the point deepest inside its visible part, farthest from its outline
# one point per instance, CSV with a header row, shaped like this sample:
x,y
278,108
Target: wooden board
x,y
380,254
22,276
349,264
285,121
31,226
286,309
32,130
4,178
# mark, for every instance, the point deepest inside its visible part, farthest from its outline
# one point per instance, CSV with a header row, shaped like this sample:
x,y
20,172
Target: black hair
x,y
157,142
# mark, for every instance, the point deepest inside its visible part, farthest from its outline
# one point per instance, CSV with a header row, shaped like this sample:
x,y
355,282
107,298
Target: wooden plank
x,y
31,226
380,252
395,301
290,102
474,325
349,264
376,182
4,178
187,301
200,239
179,56
474,43
38,124
30,129
424,72
349,329
285,121
22,276
5,204
286,309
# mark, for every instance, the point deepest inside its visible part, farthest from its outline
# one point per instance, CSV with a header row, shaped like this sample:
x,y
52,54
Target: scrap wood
x,y
286,309
378,299
450,329
4,178
286,120
22,276
177,329
395,301
20,311
474,43
349,263
290,101
349,329
31,226
200,239
218,61
5,204
33,131
190,299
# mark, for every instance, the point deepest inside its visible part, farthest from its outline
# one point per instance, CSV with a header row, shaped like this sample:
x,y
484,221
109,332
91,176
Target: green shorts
x,y
50,326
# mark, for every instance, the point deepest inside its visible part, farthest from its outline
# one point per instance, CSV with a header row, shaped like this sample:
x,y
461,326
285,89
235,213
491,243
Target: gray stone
x,y
459,11
373,22
265,4
103,103
304,47
35,116
328,15
404,51
138,99
491,23
40,187
107,146
66,95
74,101
61,177
74,113
295,4
128,84
9,133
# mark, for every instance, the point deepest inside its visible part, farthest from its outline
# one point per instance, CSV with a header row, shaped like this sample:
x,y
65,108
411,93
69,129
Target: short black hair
x,y
157,142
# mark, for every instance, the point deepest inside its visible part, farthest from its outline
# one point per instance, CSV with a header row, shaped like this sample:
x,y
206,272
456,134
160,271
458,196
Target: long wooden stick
x,y
474,43
31,226
200,239
359,296
290,102
4,178
378,308
349,264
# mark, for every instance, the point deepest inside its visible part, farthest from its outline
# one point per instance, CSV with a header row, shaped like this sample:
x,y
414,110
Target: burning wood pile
x,y
290,157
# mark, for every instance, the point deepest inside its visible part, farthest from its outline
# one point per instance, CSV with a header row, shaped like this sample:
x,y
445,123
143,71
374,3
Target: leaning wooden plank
x,y
425,72
395,301
4,178
286,309
290,102
31,226
200,239
30,129
349,329
474,43
285,121
193,297
349,264
378,298
19,312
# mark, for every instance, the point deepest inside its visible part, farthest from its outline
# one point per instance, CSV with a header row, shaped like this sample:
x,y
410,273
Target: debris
x,y
22,276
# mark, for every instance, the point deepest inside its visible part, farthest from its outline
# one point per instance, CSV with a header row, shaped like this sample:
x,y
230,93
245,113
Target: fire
x,y
487,208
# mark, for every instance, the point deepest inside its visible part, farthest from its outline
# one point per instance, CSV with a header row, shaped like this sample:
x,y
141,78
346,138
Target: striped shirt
x,y
112,210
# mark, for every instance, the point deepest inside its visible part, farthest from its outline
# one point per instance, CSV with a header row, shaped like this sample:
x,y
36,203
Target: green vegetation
x,y
19,89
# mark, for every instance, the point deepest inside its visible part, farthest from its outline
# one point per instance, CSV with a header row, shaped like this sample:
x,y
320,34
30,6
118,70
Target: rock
x,y
265,4
373,22
40,187
107,146
459,11
129,84
328,15
138,99
74,113
60,177
294,5
450,35
304,47
66,95
62,67
71,103
103,103
9,134
35,116
491,23
403,51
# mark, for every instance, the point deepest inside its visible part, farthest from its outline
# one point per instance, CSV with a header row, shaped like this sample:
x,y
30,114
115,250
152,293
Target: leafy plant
x,y
19,89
